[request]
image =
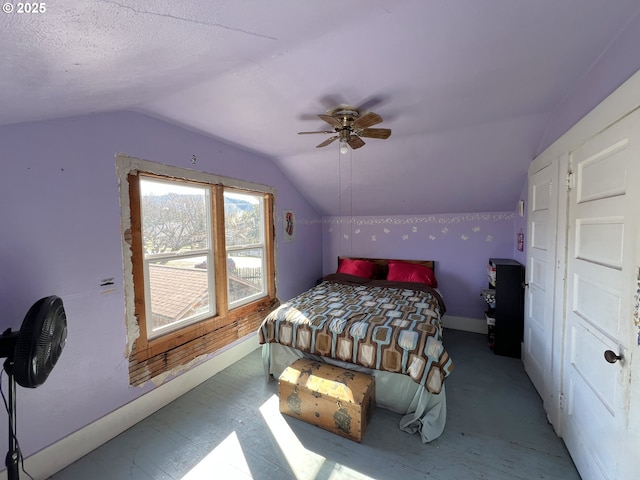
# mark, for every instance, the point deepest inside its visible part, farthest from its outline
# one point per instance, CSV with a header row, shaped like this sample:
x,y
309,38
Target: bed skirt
x,y
422,412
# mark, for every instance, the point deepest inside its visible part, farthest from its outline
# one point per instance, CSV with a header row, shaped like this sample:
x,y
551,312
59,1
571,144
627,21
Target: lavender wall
x,y
60,223
612,69
461,244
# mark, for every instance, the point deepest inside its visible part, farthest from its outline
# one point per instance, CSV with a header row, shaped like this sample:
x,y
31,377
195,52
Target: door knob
x,y
611,357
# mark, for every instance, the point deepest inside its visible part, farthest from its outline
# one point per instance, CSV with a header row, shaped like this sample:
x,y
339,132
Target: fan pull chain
x,y
351,202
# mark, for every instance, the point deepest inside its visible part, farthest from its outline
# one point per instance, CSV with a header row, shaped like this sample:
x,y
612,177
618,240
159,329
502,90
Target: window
x,y
202,265
245,246
177,251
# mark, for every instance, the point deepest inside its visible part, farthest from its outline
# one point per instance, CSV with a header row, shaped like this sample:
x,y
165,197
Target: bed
x,y
378,316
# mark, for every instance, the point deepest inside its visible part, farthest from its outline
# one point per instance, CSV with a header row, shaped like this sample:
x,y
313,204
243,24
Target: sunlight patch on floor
x,y
226,460
304,463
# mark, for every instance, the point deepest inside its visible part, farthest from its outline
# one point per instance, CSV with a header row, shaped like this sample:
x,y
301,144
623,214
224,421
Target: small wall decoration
x,y
520,241
289,225
521,208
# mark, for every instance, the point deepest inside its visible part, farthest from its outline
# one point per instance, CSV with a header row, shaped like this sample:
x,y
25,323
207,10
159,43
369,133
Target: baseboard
x,y
55,457
475,325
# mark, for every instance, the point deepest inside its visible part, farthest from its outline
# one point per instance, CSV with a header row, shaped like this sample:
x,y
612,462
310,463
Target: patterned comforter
x,y
389,326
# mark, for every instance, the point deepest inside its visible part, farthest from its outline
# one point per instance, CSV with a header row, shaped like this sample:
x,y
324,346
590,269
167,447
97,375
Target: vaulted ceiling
x,y
467,86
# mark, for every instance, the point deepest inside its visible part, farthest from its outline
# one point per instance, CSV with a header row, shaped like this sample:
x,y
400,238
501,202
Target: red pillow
x,y
411,272
359,268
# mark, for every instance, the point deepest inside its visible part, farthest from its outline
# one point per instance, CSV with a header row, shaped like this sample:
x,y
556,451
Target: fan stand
x,y
13,455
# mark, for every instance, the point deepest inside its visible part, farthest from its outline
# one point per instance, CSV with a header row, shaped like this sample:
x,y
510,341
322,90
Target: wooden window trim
x,y
187,338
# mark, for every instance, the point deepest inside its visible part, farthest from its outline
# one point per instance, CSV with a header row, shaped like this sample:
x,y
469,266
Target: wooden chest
x,y
338,400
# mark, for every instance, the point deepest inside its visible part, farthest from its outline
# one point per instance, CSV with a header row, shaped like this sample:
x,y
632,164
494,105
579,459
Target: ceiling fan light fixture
x,y
344,146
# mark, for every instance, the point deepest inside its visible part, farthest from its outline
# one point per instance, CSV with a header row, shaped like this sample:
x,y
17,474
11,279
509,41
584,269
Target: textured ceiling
x,y
467,86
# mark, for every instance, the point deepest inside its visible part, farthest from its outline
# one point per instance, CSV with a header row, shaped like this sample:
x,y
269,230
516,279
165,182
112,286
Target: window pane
x,y
246,277
178,293
243,219
174,216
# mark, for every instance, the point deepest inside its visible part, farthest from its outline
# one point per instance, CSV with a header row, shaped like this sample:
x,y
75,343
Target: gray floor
x,y
230,427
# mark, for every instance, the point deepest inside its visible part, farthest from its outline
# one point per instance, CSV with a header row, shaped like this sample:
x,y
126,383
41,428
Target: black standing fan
x,y
31,353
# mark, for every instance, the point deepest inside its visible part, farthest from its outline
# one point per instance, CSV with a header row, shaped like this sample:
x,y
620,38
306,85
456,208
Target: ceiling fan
x,y
349,124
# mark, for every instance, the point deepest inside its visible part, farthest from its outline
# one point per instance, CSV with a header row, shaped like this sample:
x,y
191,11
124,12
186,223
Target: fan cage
x,y
40,342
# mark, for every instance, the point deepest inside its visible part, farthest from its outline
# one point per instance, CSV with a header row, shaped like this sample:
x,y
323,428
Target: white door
x,y
602,269
540,272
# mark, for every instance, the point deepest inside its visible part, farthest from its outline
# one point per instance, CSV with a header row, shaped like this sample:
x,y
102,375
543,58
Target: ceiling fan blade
x,y
367,120
355,141
334,122
308,116
323,131
327,141
330,101
372,102
375,133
